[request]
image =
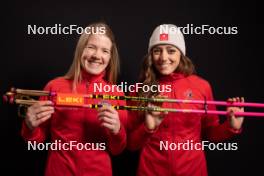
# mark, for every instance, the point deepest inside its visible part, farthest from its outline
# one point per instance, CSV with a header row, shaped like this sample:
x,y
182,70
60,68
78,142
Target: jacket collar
x,y
171,77
87,77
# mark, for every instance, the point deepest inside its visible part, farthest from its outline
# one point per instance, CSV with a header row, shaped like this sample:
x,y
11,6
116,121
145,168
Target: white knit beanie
x,y
167,34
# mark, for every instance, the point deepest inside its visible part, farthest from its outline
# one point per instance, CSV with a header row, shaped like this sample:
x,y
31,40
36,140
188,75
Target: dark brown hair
x,y
149,74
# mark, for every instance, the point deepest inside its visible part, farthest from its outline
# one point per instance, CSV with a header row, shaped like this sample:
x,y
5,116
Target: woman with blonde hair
x,y
87,136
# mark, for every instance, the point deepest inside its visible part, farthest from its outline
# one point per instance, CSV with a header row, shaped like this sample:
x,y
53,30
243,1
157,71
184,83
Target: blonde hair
x,y
112,70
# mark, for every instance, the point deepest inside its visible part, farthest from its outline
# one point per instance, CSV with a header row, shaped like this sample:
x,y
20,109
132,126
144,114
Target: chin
x,y
165,72
93,71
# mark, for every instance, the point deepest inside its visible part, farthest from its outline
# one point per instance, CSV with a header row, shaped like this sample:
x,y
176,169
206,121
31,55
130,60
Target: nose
x,y
163,55
96,54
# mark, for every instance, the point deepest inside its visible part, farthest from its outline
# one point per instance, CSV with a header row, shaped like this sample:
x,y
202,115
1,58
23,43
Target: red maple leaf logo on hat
x,y
164,37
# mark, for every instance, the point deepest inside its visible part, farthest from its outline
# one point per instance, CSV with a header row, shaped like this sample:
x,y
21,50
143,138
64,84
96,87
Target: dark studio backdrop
x,y
231,63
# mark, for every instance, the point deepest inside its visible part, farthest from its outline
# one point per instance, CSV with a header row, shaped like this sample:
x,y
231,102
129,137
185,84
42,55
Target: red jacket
x,y
177,128
80,125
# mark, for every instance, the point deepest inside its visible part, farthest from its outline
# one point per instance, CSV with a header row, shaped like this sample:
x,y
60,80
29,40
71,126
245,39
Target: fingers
x,y
156,113
109,122
43,109
43,119
107,114
109,126
112,124
39,113
236,99
40,110
150,122
32,124
159,97
40,107
42,103
233,109
108,111
109,118
235,121
231,113
107,108
154,118
44,114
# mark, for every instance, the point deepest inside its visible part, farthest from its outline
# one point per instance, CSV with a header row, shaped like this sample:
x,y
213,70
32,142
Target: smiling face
x,y
166,58
96,54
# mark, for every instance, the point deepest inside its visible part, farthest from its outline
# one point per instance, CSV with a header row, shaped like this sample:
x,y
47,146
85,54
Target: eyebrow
x,y
89,44
170,47
106,49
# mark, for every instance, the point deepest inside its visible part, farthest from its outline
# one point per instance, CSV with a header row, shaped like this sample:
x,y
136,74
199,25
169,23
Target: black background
x,y
231,63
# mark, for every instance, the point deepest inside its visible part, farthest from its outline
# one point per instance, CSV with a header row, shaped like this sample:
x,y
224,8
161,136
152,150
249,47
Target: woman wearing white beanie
x,y
157,134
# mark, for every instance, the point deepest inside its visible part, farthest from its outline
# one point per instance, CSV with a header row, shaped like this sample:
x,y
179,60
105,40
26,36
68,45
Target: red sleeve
x,y
117,142
138,137
138,134
40,133
211,127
